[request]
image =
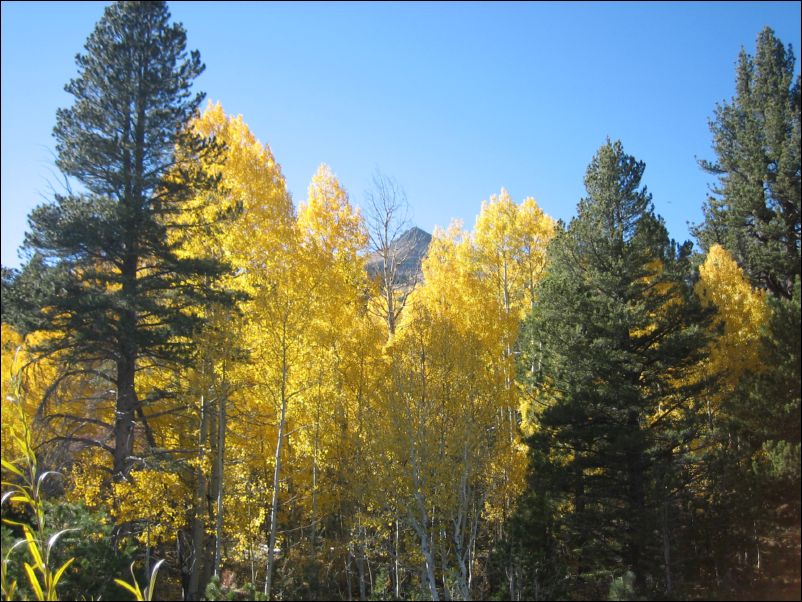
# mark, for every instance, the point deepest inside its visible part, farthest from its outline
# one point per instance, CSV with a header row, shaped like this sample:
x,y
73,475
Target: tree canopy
x,y
279,400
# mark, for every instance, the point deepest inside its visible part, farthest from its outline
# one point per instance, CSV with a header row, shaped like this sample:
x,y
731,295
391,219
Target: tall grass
x,y
23,488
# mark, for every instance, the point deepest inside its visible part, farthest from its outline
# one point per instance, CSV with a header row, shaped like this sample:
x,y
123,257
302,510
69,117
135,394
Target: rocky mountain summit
x,y
408,251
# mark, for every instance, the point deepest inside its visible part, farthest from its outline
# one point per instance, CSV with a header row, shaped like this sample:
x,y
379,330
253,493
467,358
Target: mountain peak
x,y
409,250
414,237
414,232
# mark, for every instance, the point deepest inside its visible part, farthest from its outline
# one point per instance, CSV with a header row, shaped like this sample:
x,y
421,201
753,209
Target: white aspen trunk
x,y
314,477
221,449
198,524
348,575
506,288
276,478
444,566
367,559
421,528
757,544
397,574
360,563
250,538
460,522
477,514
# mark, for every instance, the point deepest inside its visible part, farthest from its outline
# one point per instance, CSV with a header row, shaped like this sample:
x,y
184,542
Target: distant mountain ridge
x,y
409,249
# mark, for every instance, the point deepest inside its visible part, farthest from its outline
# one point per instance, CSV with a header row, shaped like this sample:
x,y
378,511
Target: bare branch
x,y
74,439
394,252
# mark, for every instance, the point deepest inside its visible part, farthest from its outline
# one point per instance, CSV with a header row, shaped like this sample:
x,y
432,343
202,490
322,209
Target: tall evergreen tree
x,y
755,209
755,214
608,352
105,276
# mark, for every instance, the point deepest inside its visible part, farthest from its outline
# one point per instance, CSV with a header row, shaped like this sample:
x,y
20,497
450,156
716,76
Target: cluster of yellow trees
x,y
308,432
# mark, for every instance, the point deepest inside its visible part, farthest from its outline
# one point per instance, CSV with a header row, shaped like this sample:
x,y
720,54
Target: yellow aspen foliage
x,y
452,401
332,235
88,477
13,358
244,356
511,243
157,498
252,194
329,415
246,507
328,222
61,405
742,312
63,413
298,394
505,479
533,232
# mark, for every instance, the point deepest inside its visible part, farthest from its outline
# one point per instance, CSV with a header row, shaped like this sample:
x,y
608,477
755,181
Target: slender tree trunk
x,y
184,560
390,286
429,560
348,575
444,567
467,565
462,528
314,477
360,564
395,559
198,524
422,528
250,538
667,549
757,545
367,563
221,450
276,479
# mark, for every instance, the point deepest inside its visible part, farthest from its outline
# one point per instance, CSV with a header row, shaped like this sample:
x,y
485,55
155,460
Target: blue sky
x,y
454,100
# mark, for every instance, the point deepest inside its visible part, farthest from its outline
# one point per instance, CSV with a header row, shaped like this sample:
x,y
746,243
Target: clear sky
x,y
455,100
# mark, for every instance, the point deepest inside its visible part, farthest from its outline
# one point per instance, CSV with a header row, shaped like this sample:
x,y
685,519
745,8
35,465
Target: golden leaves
x,y
157,497
455,375
742,313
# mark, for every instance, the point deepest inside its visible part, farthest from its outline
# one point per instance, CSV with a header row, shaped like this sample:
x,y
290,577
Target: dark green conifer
x,y
754,470
104,276
754,211
609,351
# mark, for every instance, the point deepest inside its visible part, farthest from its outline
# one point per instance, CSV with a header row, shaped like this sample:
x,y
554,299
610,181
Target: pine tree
x,y
755,215
755,210
608,353
105,278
